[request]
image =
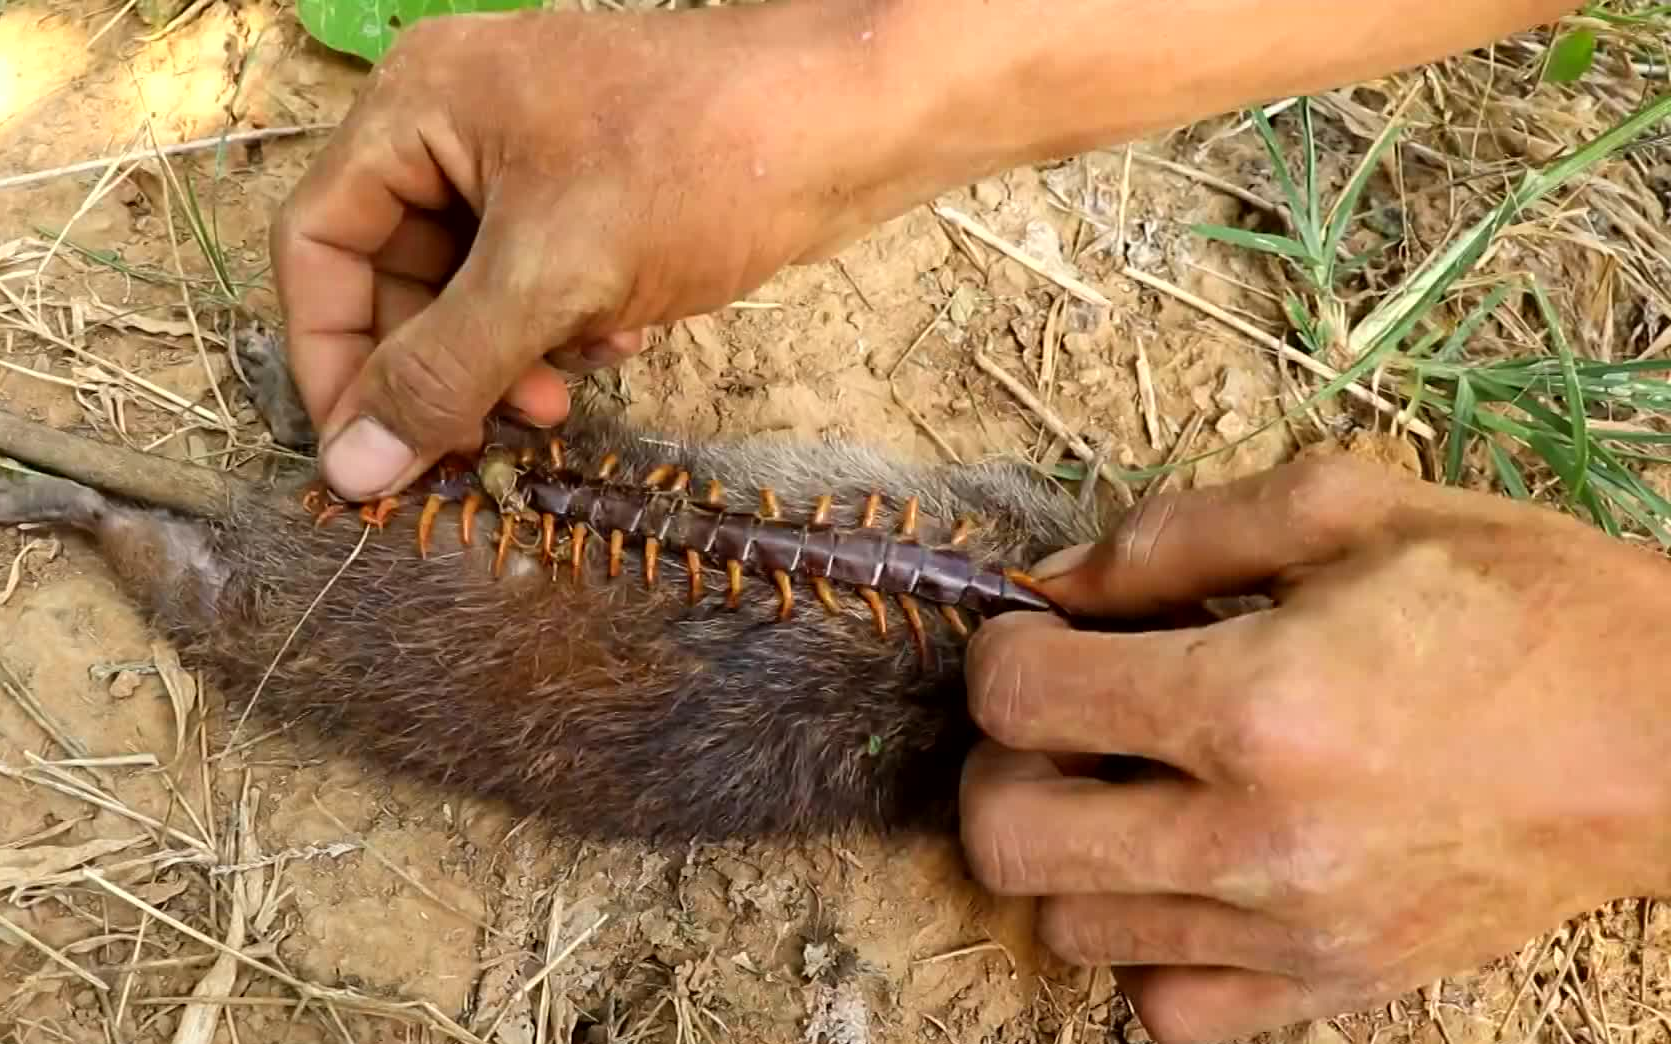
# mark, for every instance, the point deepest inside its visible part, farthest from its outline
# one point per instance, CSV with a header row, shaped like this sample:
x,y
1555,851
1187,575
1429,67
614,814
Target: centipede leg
x,y
914,620
908,525
734,579
877,610
769,509
548,537
554,451
658,476
693,564
960,535
786,596
577,543
955,618
681,482
821,513
826,595
467,518
507,528
607,467
652,549
426,522
873,507
617,540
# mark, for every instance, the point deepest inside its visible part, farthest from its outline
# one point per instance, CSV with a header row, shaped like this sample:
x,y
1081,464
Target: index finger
x,y
347,206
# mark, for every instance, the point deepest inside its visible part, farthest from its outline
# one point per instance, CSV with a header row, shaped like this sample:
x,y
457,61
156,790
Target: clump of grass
x,y
1540,403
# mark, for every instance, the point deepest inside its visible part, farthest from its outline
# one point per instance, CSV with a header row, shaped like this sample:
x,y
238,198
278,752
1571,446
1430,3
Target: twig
x,y
540,976
1294,355
1048,418
116,469
1062,279
197,145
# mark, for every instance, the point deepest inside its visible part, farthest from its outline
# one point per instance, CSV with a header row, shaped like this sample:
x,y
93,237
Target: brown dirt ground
x,y
726,943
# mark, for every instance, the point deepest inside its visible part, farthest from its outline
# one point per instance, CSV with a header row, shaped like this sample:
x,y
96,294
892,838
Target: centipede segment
x,y
659,513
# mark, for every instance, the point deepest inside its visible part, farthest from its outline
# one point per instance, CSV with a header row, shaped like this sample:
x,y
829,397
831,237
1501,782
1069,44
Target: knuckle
x,y
1138,532
1328,496
425,394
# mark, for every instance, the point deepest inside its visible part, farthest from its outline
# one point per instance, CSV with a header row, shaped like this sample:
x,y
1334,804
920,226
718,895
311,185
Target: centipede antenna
x,y
507,527
877,610
821,513
577,543
873,507
955,618
908,524
826,595
467,517
914,620
426,522
786,596
617,540
554,450
658,476
548,537
693,565
608,466
652,548
768,505
734,579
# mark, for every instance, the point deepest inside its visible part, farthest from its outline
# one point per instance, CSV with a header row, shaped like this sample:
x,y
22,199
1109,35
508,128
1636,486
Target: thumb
x,y
1181,548
426,389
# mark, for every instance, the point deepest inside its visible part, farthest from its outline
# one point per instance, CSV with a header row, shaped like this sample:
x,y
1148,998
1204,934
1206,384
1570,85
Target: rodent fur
x,y
611,710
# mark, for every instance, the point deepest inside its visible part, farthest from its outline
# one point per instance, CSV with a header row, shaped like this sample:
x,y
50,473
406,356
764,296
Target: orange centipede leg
x,y
577,537
961,533
877,609
426,523
658,476
329,512
908,525
821,513
914,620
955,618
378,514
826,595
315,498
873,505
715,497
1020,579
681,482
768,505
786,596
507,529
607,468
652,548
693,563
525,457
548,537
467,518
734,577
617,540
554,450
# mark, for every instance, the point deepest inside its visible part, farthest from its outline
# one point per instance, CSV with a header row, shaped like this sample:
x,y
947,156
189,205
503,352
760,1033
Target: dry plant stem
x,y
182,487
179,148
1048,418
1067,282
1323,370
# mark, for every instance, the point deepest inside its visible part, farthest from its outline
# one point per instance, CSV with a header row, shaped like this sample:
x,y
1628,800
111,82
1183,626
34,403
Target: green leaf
x,y
1571,57
367,28
1462,422
1267,242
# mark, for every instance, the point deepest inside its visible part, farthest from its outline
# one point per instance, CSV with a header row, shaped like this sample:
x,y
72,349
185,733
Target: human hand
x,y
515,196
1448,736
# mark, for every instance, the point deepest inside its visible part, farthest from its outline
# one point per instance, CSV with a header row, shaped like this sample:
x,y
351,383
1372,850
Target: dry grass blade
x,y
53,955
178,149
540,976
1067,281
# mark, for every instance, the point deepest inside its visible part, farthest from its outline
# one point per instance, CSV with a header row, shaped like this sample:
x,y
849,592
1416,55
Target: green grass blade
x,y
1265,242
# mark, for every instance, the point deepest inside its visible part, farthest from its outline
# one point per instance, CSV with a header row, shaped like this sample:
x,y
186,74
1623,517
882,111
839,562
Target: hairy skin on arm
x,y
1447,736
517,196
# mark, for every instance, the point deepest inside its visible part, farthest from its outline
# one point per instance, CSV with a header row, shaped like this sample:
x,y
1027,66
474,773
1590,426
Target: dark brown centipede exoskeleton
x,y
659,514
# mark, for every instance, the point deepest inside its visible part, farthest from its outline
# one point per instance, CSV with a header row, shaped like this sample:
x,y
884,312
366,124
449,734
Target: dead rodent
x,y
612,706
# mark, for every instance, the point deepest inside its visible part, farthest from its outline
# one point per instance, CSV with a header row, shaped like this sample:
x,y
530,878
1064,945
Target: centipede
x,y
544,495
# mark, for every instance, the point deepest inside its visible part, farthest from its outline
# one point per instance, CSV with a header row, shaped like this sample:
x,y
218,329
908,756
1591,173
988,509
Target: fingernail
x,y
1063,561
365,460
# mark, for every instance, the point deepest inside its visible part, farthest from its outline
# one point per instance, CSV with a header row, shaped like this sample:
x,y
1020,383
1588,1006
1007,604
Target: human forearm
x,y
972,87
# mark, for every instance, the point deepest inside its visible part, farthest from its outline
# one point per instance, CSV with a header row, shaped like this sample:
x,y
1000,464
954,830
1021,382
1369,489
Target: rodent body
x,y
609,700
